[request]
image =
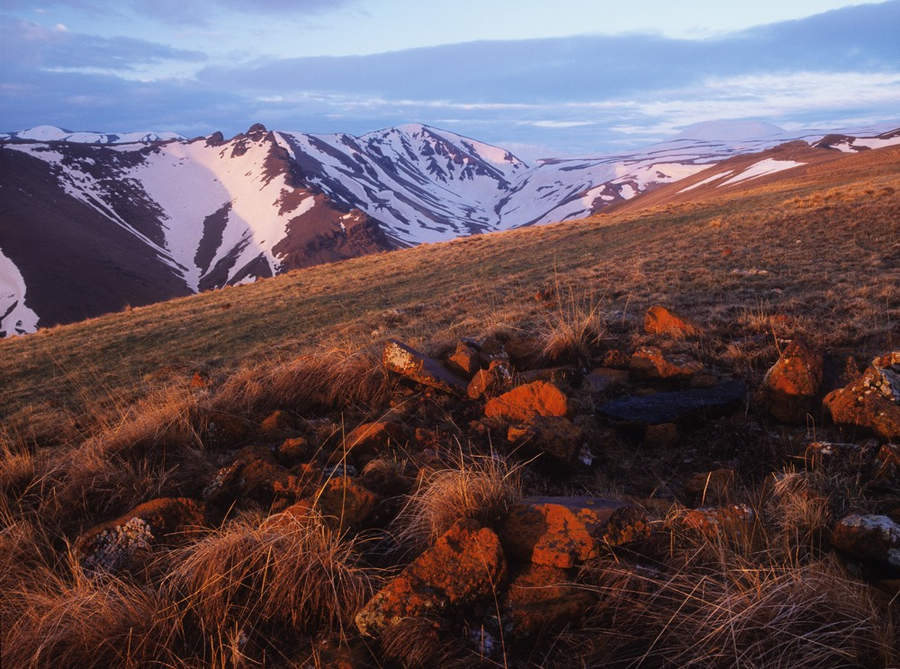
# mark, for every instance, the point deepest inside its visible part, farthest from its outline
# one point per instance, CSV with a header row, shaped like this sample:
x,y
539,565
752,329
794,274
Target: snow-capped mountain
x,y
92,222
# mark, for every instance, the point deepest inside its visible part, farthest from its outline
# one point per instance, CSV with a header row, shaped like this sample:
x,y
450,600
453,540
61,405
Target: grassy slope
x,y
826,234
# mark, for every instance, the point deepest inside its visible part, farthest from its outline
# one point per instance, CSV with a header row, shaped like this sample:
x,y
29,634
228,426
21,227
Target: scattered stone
x,y
255,475
523,403
790,386
294,449
556,531
121,543
661,321
734,520
465,360
616,359
401,359
869,537
225,430
714,486
832,456
345,503
556,436
276,424
465,564
649,362
560,376
541,599
369,440
603,379
663,435
873,401
200,380
385,478
669,407
495,379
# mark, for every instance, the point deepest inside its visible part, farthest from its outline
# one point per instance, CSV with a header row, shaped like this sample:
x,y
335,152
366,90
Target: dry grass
x,y
574,328
480,487
294,575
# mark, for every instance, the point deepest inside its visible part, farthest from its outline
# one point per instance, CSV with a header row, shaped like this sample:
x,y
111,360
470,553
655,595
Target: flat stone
x,y
401,359
670,407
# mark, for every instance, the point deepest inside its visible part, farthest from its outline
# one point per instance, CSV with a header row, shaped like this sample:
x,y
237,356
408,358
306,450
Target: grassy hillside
x,y
257,477
819,250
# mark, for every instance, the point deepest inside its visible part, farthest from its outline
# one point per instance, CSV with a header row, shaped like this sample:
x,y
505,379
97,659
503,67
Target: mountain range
x,y
94,222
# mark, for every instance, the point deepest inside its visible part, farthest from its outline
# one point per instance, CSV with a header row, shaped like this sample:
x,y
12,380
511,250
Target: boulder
x,y
869,537
345,503
661,321
542,599
668,407
277,425
649,362
497,378
415,366
523,403
294,449
465,360
557,531
465,564
873,401
555,436
120,543
790,386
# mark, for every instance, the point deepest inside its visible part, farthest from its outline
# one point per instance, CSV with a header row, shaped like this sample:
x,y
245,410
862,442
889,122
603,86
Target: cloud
x,y
27,44
175,11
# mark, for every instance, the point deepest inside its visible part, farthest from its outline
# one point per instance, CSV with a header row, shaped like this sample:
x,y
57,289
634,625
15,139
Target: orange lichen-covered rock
x,y
525,402
540,598
346,503
369,440
465,360
465,564
496,378
557,531
791,384
659,320
872,401
115,544
276,424
401,359
555,436
649,362
736,519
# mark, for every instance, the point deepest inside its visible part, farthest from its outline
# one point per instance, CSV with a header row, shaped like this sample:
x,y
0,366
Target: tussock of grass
x,y
294,573
479,487
71,620
329,379
573,328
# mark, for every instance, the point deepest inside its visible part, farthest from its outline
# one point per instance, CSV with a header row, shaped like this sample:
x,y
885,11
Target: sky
x,y
540,78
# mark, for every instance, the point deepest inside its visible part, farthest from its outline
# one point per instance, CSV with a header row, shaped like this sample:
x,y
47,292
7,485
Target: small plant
x,y
574,328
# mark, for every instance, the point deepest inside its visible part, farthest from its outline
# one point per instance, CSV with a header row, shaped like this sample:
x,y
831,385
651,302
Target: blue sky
x,y
542,78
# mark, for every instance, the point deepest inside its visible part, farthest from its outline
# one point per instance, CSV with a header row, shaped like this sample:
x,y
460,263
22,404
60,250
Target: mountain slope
x,y
89,226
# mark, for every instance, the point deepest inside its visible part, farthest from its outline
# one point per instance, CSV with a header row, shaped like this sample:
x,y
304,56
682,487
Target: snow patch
x,y
15,316
762,168
714,177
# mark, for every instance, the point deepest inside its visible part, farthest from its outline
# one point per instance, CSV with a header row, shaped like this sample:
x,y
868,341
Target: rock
x,y
401,359
790,386
832,456
560,376
733,520
649,362
539,599
465,360
556,531
121,543
556,436
255,475
616,359
873,401
523,403
668,407
276,425
888,458
465,564
602,379
714,486
869,537
294,450
497,378
663,435
659,320
345,503
225,430
385,477
200,380
369,440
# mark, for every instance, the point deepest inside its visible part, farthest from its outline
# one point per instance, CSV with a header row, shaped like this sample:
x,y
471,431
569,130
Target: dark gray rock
x,y
669,407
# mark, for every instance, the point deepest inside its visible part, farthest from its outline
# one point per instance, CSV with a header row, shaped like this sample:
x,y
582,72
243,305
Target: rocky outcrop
x,y
465,564
525,402
661,321
649,362
790,386
873,401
